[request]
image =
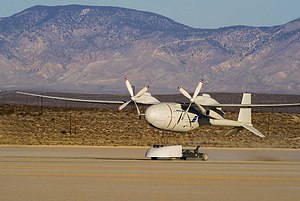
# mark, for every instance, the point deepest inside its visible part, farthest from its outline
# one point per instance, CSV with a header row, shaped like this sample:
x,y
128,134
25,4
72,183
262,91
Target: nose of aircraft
x,y
158,115
150,114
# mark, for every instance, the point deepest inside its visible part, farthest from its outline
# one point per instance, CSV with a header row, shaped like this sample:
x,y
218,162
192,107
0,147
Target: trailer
x,y
175,152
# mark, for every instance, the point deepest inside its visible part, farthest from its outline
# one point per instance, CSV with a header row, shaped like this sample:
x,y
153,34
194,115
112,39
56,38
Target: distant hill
x,y
91,49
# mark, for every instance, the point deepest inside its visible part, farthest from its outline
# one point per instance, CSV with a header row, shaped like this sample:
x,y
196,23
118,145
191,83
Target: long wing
x,y
72,99
252,105
146,99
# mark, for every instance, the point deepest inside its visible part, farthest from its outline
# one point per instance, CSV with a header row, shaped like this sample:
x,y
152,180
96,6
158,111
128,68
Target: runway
x,y
122,173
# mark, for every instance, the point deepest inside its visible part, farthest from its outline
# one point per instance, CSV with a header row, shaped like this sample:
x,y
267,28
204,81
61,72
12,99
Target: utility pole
x,y
70,123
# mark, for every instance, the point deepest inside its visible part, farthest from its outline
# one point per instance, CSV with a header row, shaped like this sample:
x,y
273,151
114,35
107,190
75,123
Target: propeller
x,y
133,97
192,99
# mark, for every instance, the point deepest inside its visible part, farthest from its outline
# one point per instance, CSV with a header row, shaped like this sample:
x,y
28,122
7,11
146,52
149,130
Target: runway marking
x,y
112,167
160,176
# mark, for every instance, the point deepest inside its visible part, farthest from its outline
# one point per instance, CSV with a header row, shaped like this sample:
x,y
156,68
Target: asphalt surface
x,y
122,173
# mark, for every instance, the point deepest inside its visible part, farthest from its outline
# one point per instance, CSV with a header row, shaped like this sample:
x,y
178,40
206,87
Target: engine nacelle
x,y
213,114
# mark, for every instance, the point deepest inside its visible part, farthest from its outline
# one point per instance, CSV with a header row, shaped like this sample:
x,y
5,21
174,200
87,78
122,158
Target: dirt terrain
x,y
33,125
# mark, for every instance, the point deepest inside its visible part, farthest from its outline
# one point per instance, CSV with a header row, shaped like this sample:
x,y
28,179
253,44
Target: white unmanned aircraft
x,y
181,117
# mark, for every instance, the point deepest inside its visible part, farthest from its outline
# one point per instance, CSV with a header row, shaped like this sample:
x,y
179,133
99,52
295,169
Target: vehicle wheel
x,y
154,158
205,156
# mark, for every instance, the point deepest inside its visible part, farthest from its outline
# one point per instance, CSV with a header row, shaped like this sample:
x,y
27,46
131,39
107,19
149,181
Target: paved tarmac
x,y
122,173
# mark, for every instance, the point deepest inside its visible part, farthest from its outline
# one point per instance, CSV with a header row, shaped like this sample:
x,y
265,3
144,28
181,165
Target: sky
x,y
194,13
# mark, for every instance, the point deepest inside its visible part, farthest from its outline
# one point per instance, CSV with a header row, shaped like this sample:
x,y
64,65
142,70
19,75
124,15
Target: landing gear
x,y
175,152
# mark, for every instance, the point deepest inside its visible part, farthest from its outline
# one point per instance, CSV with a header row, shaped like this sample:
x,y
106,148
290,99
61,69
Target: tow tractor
x,y
175,152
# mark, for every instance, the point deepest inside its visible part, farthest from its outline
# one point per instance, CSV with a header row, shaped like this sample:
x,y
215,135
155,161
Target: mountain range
x,y
79,48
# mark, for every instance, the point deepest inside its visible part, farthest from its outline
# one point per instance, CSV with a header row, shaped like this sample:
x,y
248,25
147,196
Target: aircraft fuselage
x,y
171,116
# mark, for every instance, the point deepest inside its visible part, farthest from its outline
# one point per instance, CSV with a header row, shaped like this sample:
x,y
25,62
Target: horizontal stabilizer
x,y
253,130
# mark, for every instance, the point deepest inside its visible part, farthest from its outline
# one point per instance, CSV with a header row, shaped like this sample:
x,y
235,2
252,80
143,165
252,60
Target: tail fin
x,y
245,113
245,118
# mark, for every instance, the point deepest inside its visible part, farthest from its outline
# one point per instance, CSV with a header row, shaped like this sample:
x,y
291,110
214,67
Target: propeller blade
x,y
186,111
197,90
133,97
185,93
192,99
202,110
137,108
124,105
141,92
129,87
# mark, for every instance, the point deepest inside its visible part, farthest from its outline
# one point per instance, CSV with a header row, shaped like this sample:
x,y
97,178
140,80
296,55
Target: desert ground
x,y
28,120
33,125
